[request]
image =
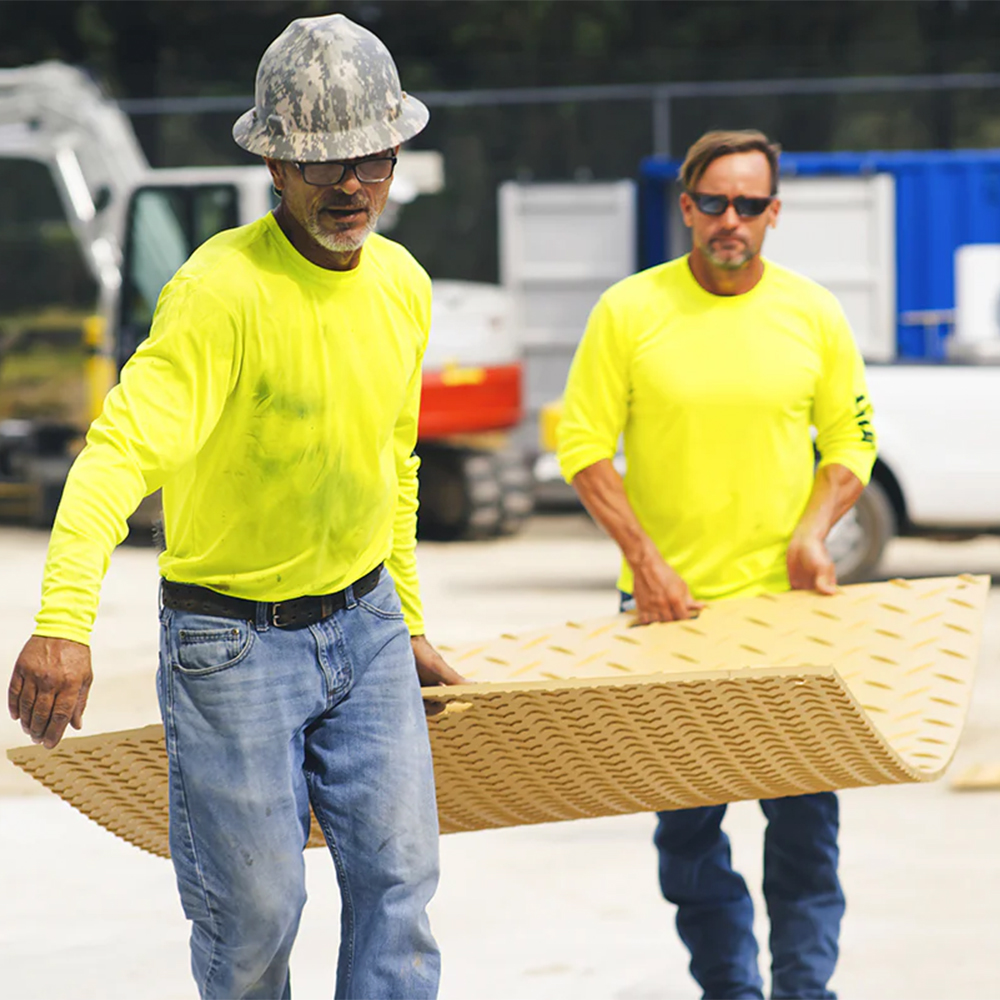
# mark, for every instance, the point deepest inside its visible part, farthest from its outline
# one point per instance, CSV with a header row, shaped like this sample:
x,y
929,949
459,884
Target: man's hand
x,y
810,566
49,688
431,668
661,595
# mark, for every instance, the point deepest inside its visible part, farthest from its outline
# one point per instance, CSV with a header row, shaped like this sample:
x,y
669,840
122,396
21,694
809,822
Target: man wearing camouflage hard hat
x,y
276,403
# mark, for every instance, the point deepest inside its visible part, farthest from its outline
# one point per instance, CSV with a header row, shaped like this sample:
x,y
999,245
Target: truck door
x,y
166,223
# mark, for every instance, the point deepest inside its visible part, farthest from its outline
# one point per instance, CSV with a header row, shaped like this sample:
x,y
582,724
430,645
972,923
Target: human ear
x,y
687,209
775,210
277,168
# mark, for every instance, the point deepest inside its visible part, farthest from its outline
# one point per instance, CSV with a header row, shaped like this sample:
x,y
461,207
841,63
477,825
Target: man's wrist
x,y
809,533
77,640
640,553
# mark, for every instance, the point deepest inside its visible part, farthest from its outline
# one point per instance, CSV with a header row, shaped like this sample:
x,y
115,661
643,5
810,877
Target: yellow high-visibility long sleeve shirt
x,y
276,404
715,396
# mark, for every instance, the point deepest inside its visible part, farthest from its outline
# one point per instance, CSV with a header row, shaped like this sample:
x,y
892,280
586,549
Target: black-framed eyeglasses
x,y
716,204
370,171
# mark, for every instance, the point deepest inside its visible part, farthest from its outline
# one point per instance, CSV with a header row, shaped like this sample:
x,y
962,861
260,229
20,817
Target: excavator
x,y
90,233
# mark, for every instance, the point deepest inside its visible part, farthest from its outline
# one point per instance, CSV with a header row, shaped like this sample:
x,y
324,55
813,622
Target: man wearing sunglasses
x,y
276,403
716,367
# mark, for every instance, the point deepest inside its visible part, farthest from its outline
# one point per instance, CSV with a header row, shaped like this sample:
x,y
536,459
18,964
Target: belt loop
x,y
349,600
263,621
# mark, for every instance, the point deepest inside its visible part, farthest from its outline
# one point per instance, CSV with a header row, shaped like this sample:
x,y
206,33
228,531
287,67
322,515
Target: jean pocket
x,y
383,601
207,650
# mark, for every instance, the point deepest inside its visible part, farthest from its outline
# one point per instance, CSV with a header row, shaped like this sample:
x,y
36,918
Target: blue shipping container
x,y
944,199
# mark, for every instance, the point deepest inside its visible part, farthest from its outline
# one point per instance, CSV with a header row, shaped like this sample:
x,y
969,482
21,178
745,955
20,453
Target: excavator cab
x,y
115,233
48,301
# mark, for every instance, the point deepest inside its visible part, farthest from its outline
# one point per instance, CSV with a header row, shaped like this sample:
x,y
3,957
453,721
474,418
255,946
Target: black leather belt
x,y
296,613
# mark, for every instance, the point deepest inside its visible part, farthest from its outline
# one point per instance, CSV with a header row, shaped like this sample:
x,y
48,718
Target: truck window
x,y
165,225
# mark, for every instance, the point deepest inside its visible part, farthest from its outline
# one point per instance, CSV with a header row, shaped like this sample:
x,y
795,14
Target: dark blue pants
x,y
714,911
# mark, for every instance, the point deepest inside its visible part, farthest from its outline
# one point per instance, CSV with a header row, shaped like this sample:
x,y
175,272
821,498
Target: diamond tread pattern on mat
x,y
757,698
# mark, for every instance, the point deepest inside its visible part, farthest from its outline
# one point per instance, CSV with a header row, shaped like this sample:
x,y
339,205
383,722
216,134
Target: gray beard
x,y
340,242
731,263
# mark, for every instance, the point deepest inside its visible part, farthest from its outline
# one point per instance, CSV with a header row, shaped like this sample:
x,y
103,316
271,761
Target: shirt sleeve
x,y
165,406
842,411
402,563
598,390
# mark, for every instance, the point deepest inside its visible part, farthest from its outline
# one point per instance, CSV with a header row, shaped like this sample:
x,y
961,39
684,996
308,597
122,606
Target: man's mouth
x,y
348,213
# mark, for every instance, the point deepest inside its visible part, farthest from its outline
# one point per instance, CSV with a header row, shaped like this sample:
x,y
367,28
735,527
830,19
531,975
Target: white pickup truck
x,y
938,470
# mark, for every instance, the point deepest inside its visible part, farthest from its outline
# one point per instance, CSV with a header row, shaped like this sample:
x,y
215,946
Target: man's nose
x,y
730,217
349,183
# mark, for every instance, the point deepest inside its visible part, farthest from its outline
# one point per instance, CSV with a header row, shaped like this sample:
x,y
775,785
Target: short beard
x,y
729,263
340,242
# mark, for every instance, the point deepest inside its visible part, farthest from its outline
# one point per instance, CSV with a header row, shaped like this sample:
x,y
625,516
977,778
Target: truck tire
x,y
517,499
858,539
47,473
459,494
49,495
466,494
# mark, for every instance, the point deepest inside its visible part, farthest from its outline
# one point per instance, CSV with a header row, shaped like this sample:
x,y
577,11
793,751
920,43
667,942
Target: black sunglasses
x,y
716,204
370,171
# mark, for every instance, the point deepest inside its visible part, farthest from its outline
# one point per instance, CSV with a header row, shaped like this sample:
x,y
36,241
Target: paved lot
x,y
558,911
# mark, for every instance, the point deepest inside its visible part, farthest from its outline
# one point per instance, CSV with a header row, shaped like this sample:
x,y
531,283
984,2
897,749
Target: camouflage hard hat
x,y
327,89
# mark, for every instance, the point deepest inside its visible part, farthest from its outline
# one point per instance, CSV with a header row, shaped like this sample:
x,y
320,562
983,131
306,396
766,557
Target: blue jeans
x,y
804,899
260,723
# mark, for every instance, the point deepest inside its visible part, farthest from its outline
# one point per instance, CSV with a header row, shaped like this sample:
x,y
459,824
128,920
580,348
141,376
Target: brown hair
x,y
712,145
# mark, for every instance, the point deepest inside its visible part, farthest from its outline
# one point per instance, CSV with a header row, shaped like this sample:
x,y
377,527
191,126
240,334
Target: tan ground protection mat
x,y
757,698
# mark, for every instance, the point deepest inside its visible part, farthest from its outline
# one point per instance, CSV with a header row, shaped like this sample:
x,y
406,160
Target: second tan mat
x,y
757,698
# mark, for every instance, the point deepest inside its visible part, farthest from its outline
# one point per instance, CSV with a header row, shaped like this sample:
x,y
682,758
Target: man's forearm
x,y
835,491
602,492
103,488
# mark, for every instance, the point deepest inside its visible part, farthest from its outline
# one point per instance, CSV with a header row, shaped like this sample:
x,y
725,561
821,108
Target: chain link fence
x,y
602,133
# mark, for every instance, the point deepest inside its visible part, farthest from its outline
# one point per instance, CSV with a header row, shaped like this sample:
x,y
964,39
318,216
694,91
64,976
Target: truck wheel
x,y
483,512
468,494
48,475
858,539
44,513
459,494
517,499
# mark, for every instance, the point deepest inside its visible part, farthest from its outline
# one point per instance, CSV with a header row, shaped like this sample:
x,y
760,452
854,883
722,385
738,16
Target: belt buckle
x,y
276,614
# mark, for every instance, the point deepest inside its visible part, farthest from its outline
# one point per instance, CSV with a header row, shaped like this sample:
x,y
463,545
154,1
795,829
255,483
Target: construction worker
x,y
715,366
275,402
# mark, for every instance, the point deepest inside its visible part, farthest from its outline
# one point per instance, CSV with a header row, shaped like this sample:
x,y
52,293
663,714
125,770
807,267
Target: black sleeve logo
x,y
862,414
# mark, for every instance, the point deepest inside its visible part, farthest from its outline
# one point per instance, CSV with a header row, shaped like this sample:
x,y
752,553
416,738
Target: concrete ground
x,y
541,913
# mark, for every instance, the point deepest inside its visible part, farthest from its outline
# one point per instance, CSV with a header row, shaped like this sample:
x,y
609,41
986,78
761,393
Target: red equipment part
x,y
470,400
